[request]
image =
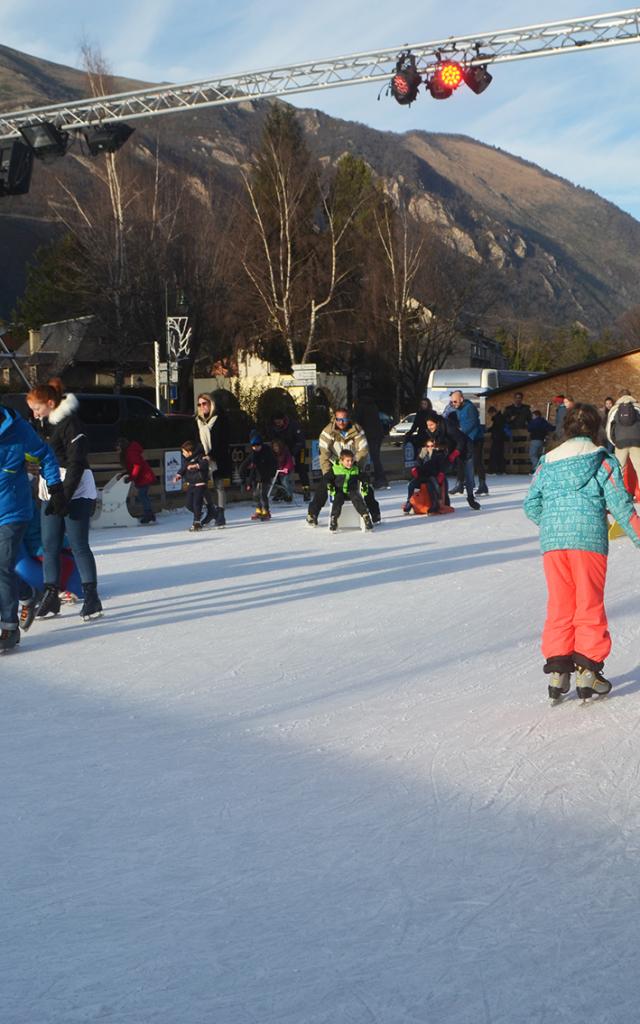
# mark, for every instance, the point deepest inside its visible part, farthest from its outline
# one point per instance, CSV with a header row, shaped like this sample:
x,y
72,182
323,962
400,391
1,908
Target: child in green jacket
x,y
345,482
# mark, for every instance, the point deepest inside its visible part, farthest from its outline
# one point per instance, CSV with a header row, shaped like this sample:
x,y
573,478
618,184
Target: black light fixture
x,y
16,165
406,81
106,138
46,140
478,78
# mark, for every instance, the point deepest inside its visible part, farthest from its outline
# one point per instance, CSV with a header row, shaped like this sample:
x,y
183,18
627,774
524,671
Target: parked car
x,y
398,432
103,415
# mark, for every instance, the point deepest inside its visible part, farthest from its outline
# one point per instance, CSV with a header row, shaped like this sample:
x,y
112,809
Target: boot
x,y
27,614
220,520
368,525
311,519
472,503
195,526
9,640
92,604
406,508
50,604
210,515
257,515
559,685
482,489
333,524
590,683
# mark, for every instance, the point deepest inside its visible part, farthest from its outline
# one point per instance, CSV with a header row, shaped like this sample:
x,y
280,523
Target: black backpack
x,y
626,426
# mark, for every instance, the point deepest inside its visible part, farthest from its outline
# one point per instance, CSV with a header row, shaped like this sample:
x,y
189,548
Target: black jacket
x,y
432,465
448,435
517,417
290,433
418,433
65,433
259,467
195,469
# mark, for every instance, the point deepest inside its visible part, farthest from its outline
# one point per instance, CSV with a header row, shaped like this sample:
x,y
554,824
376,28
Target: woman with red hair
x,y
62,429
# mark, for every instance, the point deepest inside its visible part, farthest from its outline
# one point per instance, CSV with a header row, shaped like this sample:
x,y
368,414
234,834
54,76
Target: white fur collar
x,y
67,407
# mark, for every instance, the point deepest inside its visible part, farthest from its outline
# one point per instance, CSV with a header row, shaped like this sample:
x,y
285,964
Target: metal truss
x,y
553,38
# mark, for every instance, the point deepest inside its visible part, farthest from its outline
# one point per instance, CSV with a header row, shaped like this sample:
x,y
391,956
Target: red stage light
x,y
450,74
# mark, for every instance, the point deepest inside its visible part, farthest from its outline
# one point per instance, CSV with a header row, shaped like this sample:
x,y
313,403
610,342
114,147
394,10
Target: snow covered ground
x,y
291,778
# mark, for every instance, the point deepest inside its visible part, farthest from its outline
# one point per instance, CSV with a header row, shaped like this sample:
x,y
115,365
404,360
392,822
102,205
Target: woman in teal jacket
x,y
573,488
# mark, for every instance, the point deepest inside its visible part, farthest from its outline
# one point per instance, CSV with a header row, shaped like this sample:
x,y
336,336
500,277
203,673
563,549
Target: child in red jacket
x,y
138,470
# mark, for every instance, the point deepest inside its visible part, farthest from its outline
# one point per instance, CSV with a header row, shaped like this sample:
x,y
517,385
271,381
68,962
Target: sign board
x,y
172,463
167,374
305,373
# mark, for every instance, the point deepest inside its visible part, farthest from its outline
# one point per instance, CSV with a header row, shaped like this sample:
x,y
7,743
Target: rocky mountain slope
x,y
557,252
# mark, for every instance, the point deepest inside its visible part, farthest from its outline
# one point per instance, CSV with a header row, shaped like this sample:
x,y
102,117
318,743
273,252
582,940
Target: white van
x,y
475,382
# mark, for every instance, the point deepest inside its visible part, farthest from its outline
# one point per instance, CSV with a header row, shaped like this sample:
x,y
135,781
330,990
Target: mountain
x,y
557,253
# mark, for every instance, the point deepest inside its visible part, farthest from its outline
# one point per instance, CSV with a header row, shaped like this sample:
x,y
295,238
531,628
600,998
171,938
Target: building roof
x,y
79,341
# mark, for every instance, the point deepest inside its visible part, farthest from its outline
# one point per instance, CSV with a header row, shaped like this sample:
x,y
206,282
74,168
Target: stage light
x,y
450,74
106,138
478,78
16,164
406,81
47,142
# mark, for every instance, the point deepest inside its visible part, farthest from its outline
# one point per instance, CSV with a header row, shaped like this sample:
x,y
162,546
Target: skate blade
x,y
90,618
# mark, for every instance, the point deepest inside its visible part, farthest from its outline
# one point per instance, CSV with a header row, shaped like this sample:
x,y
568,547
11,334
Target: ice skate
x,y
92,605
257,515
210,515
50,604
559,685
333,524
590,683
195,527
148,520
9,640
406,508
471,502
265,516
482,489
220,522
27,614
311,520
368,525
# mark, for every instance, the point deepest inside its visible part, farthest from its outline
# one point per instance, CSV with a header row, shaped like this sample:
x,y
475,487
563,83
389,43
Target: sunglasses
x,y
342,419
204,403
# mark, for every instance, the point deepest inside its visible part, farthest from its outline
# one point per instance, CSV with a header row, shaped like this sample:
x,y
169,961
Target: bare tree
x,y
402,259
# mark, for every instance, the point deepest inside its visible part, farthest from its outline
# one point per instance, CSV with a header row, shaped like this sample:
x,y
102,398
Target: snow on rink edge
x,y
296,778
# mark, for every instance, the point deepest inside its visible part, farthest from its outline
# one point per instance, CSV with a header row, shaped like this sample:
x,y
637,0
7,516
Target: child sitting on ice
x,y
431,469
344,482
284,468
194,471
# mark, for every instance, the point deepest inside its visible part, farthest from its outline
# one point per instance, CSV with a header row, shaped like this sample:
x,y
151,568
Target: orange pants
x,y
576,618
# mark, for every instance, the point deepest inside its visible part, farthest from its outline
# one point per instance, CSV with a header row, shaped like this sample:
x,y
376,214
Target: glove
x,y
414,472
127,479
455,454
328,479
57,504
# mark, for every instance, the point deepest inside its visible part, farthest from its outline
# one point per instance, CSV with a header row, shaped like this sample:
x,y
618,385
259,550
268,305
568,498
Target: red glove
x,y
455,454
440,478
414,472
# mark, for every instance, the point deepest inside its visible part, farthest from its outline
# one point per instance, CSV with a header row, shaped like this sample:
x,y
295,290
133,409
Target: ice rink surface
x,y
296,778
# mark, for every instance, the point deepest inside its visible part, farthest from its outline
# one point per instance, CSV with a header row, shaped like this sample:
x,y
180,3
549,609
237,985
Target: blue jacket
x,y
469,420
571,491
17,440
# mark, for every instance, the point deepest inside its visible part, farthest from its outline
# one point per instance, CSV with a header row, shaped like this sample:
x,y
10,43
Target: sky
x,y
575,115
